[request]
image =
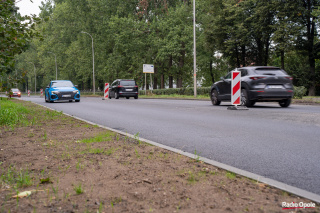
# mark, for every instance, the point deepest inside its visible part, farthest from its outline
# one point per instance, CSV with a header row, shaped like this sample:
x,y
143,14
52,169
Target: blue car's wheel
x,y
46,97
50,99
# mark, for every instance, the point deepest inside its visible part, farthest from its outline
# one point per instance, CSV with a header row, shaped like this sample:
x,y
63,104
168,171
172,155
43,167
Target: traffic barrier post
x,y
236,91
106,91
235,86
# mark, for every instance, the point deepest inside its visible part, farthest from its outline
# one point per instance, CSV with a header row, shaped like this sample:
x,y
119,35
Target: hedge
x,y
179,91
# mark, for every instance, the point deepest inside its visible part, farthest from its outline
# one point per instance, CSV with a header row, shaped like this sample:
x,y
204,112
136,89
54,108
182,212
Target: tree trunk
x,y
282,59
181,65
243,55
266,54
211,71
237,56
170,76
162,81
170,81
310,36
155,78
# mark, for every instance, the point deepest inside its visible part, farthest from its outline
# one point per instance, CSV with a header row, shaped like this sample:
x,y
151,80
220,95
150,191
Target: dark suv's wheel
x,y
245,99
116,95
285,103
214,98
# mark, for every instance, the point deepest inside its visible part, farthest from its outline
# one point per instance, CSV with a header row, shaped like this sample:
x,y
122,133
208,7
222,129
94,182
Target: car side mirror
x,y
47,86
221,78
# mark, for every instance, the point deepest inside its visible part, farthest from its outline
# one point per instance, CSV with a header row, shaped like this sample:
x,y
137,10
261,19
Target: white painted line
x,y
285,187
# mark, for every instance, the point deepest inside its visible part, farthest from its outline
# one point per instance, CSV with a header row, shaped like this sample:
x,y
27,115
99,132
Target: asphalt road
x,y
278,143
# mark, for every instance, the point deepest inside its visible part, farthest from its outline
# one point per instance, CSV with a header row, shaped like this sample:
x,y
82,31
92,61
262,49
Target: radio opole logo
x,y
300,205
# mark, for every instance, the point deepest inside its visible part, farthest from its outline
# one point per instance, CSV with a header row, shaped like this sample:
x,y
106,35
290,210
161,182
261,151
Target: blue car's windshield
x,y
62,84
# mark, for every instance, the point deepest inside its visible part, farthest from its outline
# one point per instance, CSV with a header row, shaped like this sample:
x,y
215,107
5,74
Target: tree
x,y
15,34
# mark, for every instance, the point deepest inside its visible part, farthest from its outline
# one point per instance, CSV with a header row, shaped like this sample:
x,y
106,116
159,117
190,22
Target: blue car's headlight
x,y
55,92
76,92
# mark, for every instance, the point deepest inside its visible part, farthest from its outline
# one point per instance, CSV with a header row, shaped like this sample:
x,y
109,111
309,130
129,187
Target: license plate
x,y
275,87
129,90
66,96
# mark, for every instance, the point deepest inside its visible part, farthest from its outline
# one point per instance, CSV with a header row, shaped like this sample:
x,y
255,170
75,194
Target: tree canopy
x,y
130,33
16,33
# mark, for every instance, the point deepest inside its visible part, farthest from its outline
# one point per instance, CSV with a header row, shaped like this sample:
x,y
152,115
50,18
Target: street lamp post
x,y
93,80
35,78
194,51
55,58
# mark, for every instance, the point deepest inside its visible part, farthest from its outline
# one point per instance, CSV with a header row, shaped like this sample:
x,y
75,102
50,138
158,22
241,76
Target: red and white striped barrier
x,y
41,93
28,93
236,88
106,91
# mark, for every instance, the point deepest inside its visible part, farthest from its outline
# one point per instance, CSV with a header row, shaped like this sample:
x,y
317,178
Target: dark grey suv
x,y
261,83
123,88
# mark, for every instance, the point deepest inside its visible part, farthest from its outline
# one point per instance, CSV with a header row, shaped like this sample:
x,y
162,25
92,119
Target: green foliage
x,y
299,92
15,178
11,113
230,175
96,151
108,136
78,189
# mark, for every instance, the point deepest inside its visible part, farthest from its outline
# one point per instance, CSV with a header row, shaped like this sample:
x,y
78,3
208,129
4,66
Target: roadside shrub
x,y
299,92
179,91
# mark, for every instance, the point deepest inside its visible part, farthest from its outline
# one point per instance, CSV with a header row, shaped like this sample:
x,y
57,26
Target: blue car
x,y
61,90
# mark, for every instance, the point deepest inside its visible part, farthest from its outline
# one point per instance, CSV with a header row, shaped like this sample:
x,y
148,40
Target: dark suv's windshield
x,y
127,83
62,84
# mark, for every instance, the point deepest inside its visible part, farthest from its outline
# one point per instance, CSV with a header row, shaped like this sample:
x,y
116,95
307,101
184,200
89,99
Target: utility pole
x,y
194,51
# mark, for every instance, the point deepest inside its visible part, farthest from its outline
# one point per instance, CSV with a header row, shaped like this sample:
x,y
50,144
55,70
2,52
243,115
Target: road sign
x,y
148,68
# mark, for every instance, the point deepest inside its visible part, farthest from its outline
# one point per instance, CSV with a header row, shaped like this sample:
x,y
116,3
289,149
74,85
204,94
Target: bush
x,y
179,91
299,92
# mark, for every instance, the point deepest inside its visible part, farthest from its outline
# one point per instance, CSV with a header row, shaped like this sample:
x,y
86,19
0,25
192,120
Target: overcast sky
x,y
26,7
